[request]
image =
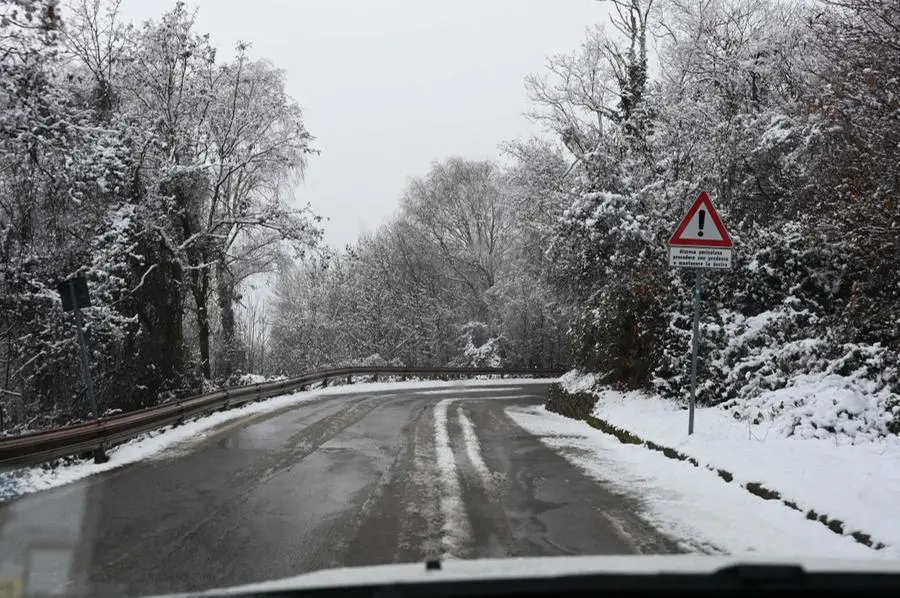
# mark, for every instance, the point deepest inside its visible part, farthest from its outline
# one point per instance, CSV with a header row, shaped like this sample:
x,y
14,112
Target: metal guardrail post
x,y
100,455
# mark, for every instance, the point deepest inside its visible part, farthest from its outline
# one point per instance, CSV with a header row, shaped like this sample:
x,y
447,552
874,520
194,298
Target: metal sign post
x,y
74,295
698,246
85,364
695,347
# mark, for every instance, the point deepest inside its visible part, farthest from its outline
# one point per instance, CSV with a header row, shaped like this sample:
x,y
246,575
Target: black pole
x,y
695,346
99,453
85,363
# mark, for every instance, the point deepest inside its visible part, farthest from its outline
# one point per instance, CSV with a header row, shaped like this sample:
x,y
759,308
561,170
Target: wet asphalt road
x,y
338,481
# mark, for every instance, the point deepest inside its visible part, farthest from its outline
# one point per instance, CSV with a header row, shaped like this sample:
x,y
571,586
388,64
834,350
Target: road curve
x,y
355,479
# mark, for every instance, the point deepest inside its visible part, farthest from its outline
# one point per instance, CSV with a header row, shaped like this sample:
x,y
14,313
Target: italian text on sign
x,y
701,240
699,257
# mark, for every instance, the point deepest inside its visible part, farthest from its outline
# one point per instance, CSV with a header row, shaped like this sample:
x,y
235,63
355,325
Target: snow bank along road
x,y
369,478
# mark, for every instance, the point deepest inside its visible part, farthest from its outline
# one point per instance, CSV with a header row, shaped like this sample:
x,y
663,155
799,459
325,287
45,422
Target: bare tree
x,y
254,331
460,208
230,144
580,95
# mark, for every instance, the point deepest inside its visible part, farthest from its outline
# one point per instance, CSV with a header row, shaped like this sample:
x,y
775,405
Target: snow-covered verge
x,y
779,366
852,476
691,505
32,479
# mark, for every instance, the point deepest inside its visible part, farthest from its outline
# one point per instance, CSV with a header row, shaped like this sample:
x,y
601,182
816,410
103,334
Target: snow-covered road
x,y
389,474
386,474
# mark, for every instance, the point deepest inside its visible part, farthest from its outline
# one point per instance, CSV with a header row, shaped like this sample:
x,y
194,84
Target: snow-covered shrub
x,y
479,349
239,379
822,405
617,335
246,379
577,405
608,258
575,381
774,346
375,360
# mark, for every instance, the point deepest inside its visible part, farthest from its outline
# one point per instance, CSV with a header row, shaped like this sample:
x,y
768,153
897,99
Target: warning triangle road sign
x,y
702,226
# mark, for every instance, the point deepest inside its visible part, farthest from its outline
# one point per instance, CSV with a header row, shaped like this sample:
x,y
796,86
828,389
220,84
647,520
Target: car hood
x,y
545,567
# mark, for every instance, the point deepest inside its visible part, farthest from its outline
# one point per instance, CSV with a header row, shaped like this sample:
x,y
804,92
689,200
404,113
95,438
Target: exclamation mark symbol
x,y
701,223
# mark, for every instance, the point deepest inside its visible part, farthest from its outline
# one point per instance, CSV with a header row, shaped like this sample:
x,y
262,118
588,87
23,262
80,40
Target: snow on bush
x,y
776,345
821,406
576,381
251,379
852,395
375,359
479,348
371,360
245,379
776,367
487,355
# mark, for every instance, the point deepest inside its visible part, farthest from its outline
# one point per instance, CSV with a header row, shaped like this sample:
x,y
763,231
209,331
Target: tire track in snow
x,y
422,510
456,530
473,450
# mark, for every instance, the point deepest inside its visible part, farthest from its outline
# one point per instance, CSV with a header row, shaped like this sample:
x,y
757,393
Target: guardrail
x,y
98,435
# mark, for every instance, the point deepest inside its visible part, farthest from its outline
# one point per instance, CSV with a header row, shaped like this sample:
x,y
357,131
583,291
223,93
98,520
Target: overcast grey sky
x,y
388,86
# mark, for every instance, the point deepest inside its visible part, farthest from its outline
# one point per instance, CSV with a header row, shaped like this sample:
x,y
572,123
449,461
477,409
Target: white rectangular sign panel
x,y
699,257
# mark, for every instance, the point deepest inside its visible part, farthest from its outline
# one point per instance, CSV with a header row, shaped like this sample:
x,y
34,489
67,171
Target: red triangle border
x,y
704,201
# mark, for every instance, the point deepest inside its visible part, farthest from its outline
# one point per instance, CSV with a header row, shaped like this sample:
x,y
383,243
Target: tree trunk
x,y
188,191
158,304
229,359
203,340
200,289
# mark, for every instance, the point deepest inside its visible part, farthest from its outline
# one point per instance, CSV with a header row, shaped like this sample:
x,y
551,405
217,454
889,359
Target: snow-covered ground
x,y
686,502
32,479
854,478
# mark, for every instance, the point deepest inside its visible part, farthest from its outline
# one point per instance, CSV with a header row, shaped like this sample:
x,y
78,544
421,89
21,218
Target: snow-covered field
x,y
854,478
32,479
692,504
